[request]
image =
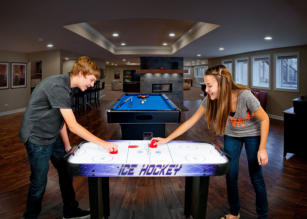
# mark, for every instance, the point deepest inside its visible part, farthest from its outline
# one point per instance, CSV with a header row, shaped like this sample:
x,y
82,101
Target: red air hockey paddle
x,y
153,144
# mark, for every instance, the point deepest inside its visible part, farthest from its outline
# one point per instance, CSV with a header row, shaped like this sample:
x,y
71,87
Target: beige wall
x,y
17,99
51,62
12,99
110,70
277,101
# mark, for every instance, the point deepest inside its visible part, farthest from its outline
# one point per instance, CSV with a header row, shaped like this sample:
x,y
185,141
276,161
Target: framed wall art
x,y
18,75
4,75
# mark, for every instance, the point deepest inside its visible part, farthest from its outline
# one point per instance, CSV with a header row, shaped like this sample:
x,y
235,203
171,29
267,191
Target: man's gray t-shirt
x,y
43,120
243,123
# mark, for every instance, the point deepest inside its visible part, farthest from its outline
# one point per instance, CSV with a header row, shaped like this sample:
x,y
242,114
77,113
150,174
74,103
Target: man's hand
x,y
160,140
110,146
262,157
67,148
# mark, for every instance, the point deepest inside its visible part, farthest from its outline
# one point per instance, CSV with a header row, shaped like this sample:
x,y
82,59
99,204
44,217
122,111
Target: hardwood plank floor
x,y
152,198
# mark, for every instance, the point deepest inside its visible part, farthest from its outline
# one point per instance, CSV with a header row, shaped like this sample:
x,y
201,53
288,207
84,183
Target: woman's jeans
x,y
233,147
39,156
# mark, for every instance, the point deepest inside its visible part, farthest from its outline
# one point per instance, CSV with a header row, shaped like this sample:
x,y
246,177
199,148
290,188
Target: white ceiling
x,y
243,24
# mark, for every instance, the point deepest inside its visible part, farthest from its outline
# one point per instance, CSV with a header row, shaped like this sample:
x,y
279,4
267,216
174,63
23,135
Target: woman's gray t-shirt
x,y
243,123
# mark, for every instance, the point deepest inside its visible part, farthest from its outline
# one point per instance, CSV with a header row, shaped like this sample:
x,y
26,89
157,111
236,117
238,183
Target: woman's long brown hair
x,y
217,110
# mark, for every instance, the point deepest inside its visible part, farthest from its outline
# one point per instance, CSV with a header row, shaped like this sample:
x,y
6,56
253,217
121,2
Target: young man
x,y
43,131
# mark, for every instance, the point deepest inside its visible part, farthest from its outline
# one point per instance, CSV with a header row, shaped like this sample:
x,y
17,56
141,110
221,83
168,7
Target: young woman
x,y
236,113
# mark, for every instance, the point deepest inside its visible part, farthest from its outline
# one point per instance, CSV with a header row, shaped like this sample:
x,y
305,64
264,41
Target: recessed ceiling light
x,y
268,38
107,62
123,60
221,49
66,58
171,34
198,55
164,44
49,45
40,39
115,34
123,44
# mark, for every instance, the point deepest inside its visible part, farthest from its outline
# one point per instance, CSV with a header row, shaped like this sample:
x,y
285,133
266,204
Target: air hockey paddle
x,y
113,152
153,144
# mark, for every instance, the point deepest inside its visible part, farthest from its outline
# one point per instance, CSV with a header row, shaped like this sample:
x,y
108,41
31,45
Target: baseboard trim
x,y
12,111
276,117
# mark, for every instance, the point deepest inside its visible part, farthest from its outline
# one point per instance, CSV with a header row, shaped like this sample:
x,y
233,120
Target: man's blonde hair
x,y
87,66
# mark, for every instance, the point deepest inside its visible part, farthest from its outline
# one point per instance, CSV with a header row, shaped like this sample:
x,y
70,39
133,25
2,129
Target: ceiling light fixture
x,y
123,60
198,55
221,49
164,44
49,45
171,34
123,44
66,58
115,34
40,39
268,38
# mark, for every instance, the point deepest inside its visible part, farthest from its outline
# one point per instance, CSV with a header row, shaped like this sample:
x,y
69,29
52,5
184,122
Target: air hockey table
x,y
196,161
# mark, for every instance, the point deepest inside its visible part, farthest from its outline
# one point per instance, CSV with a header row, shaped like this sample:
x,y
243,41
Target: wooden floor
x,y
153,198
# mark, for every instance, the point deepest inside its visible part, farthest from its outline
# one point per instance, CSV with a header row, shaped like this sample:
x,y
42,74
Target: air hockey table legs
x,y
99,196
195,203
196,197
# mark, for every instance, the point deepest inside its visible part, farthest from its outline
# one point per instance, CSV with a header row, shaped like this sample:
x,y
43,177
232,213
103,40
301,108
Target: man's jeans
x,y
39,156
233,147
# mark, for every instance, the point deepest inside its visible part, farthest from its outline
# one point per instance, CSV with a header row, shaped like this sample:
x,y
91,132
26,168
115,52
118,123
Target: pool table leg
x,y
196,197
99,196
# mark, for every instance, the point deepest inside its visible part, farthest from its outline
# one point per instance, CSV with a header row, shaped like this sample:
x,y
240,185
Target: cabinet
x,y
294,135
131,81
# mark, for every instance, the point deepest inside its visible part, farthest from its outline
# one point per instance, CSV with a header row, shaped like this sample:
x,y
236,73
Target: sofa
x,y
262,97
116,85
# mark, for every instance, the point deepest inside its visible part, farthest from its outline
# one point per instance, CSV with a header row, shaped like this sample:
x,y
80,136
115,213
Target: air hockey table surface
x,y
136,158
196,161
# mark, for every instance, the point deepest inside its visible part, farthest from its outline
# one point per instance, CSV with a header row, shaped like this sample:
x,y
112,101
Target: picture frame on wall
x,y
116,74
18,75
4,75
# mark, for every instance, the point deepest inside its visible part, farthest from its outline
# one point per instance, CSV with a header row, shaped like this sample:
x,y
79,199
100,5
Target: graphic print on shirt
x,y
240,122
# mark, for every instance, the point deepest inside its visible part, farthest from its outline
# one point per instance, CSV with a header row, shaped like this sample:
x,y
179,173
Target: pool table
x,y
143,116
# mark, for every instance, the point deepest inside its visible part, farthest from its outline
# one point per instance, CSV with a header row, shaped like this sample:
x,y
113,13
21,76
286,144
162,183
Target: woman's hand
x,y
262,157
160,140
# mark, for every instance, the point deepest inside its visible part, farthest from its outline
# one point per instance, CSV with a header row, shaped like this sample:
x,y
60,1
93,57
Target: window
x,y
261,71
188,68
228,64
241,75
199,71
286,71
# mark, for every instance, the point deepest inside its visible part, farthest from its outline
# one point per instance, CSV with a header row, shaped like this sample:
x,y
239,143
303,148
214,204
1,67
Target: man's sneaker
x,y
77,214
